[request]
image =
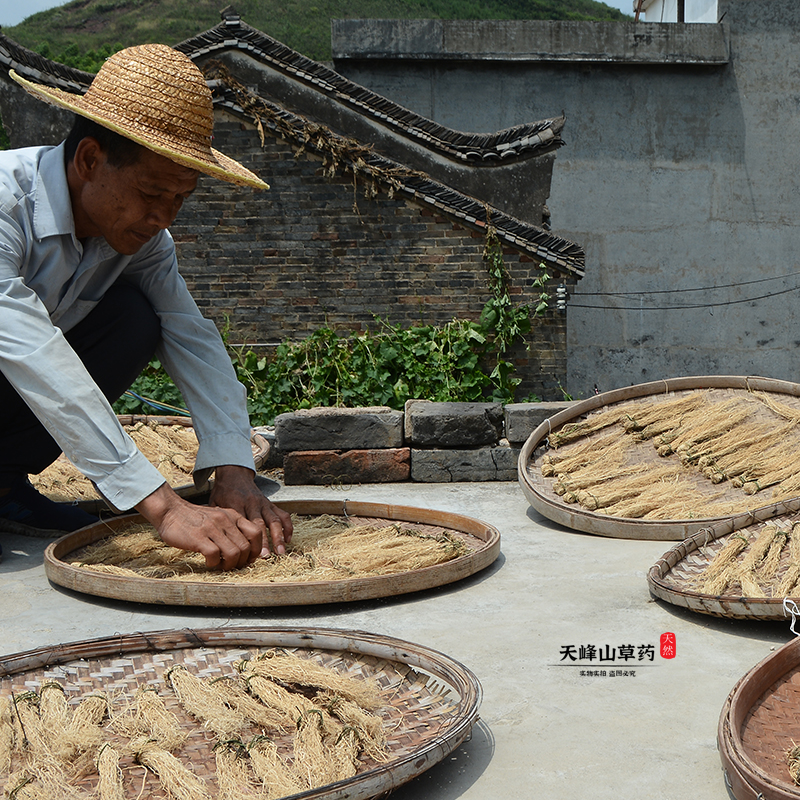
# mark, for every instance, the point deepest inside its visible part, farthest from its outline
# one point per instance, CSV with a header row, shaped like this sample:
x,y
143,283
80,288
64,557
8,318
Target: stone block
x,y
521,419
505,457
429,424
323,467
478,464
339,429
275,456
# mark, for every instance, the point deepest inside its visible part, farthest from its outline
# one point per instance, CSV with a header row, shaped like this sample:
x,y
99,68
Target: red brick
x,y
323,467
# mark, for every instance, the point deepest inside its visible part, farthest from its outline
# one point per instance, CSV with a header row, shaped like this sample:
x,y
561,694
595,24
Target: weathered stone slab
x,y
322,467
521,419
479,464
505,457
339,429
275,456
452,424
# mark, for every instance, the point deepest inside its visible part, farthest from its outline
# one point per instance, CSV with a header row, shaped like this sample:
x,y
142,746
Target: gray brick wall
x,y
314,250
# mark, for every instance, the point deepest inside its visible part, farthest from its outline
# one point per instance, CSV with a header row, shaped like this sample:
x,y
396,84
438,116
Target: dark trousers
x,y
115,342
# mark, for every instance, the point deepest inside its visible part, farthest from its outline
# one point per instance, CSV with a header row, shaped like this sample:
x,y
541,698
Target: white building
x,y
667,10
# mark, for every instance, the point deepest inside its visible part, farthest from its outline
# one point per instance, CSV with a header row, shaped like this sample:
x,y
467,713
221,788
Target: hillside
x,y
95,28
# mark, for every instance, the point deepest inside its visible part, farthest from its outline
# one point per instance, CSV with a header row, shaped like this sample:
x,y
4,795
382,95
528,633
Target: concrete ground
x,y
547,728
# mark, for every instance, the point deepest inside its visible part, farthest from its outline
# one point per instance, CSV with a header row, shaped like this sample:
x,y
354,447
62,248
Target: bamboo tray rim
x,y
749,779
625,527
731,606
368,784
226,594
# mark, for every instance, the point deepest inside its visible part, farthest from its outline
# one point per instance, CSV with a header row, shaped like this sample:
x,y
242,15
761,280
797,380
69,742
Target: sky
x,y
12,12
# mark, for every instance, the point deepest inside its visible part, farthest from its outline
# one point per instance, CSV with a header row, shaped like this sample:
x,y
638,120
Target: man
x,y
89,289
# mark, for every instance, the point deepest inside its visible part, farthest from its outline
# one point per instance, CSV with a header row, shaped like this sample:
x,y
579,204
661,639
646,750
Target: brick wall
x,y
313,250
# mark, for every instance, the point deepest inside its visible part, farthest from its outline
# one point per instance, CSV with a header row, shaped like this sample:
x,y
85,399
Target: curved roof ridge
x,y
40,69
474,213
527,139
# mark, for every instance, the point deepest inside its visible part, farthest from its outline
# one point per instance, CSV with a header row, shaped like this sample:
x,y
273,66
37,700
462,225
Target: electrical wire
x,y
695,289
157,405
681,306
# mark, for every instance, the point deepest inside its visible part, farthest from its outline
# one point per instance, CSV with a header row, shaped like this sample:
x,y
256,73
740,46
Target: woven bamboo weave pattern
x,y
416,709
759,724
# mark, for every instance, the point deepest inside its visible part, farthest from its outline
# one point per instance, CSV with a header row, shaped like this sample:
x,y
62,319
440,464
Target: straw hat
x,y
157,97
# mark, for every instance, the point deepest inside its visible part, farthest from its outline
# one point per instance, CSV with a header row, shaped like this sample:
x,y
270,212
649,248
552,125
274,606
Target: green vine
x,y
501,319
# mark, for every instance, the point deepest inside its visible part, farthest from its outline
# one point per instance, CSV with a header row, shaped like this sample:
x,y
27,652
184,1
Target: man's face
x,y
128,206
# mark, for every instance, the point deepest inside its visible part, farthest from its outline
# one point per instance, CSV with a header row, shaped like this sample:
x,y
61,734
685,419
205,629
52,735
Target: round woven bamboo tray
x,y
672,578
759,723
94,504
482,539
539,490
431,706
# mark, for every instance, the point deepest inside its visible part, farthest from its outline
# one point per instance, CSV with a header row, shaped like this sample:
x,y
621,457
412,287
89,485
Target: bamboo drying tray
x,y
539,490
431,706
88,498
759,723
482,539
672,578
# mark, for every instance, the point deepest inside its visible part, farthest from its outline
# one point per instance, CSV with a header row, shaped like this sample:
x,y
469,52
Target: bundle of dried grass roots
x,y
323,548
765,563
793,761
720,455
280,724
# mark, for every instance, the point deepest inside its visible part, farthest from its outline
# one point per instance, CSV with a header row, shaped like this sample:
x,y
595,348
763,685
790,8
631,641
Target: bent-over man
x,y
90,290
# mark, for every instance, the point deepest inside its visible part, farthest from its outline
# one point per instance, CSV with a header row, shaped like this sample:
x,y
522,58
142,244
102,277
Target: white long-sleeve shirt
x,y
49,282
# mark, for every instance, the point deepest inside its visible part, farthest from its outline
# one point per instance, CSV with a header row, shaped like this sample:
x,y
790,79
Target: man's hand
x,y
226,538
234,488
236,529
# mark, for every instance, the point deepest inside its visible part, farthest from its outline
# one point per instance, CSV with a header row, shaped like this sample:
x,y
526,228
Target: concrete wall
x,y
678,177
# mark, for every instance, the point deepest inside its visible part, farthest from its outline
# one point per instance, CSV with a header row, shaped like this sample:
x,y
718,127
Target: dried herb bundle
x,y
708,439
323,548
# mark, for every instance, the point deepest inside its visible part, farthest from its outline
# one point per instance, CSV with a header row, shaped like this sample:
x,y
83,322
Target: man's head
x,y
121,152
156,97
123,192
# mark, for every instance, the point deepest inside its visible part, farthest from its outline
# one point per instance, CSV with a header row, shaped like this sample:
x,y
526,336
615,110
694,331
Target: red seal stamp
x,y
668,645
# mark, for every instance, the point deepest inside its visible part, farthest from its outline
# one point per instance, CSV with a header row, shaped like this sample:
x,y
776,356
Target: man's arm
x,y
196,359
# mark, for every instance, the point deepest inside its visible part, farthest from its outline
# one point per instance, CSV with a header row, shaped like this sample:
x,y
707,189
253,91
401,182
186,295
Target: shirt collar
x,y
52,215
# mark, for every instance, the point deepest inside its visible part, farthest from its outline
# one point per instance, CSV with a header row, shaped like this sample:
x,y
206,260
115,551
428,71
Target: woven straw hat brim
x,y
210,162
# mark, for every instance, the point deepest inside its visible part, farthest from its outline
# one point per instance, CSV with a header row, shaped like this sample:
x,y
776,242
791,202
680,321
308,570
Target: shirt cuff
x,y
130,483
214,451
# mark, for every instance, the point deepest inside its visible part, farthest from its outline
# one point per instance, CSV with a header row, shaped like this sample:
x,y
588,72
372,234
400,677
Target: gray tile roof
x,y
533,138
523,141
